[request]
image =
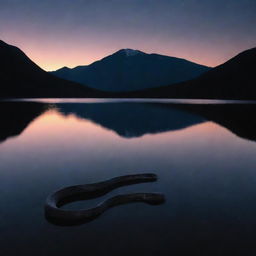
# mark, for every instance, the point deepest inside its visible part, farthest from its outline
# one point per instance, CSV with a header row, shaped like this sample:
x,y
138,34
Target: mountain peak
x,y
130,52
65,68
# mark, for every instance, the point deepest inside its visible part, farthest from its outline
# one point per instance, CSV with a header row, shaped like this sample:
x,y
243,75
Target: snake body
x,y
55,214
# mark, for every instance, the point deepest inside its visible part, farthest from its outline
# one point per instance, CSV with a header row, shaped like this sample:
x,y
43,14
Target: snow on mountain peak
x,y
131,52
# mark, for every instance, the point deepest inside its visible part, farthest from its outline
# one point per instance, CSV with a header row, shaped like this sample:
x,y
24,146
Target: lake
x,y
204,153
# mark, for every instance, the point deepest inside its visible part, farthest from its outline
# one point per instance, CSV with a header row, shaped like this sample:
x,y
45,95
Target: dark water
x,y
204,155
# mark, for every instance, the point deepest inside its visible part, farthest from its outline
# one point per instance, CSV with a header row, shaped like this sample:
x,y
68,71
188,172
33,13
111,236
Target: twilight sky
x,y
56,33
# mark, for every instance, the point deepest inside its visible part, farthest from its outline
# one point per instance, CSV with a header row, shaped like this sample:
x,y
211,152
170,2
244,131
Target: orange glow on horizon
x,y
51,56
71,33
50,60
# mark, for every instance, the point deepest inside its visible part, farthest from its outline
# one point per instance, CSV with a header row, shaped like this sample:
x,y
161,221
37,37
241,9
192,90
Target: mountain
x,y
129,70
235,79
21,77
127,73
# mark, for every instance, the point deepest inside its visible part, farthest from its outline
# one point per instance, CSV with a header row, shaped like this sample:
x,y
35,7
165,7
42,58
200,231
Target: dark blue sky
x,y
57,33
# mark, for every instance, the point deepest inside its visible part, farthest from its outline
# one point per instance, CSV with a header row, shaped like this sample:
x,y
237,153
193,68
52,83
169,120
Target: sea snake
x,y
56,215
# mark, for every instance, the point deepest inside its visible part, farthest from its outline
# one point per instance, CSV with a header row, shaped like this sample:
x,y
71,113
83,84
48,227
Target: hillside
x,y
235,79
21,77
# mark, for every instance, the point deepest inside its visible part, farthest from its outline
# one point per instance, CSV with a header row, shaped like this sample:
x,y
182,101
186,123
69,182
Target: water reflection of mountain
x,y
16,116
133,119
238,118
136,119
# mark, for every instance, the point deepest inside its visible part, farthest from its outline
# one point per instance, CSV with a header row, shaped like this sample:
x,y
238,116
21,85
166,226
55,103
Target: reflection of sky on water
x,y
206,172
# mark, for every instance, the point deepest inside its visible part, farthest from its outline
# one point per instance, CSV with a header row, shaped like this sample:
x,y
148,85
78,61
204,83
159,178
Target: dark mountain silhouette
x,y
20,77
129,70
235,79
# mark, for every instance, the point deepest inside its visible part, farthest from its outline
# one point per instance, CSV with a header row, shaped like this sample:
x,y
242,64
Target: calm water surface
x,y
204,155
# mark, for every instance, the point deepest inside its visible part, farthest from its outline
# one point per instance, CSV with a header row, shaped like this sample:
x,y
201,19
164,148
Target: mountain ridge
x,y
128,70
21,77
234,79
